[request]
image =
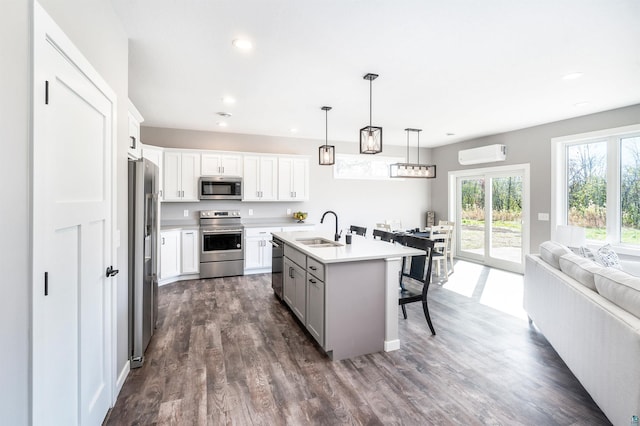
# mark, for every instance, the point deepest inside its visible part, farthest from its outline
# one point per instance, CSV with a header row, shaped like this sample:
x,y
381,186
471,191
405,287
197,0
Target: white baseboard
x,y
178,278
122,377
391,345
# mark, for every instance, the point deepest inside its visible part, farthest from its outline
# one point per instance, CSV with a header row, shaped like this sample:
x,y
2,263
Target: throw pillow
x,y
551,251
580,269
607,257
620,288
587,253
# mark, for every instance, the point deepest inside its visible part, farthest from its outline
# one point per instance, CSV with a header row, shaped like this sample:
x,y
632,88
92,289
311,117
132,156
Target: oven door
x,y
220,244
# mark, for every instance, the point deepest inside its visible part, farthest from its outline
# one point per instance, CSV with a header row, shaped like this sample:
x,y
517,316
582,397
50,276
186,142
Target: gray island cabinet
x,y
346,296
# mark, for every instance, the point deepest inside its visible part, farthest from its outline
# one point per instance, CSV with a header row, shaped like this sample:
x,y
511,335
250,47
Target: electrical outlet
x,y
543,216
288,211
186,213
250,212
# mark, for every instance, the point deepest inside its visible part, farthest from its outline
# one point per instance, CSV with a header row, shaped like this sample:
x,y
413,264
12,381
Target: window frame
x,y
559,187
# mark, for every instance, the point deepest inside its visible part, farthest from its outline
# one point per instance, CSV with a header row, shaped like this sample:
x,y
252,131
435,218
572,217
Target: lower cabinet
x,y
190,254
179,254
257,250
304,291
295,288
169,254
315,308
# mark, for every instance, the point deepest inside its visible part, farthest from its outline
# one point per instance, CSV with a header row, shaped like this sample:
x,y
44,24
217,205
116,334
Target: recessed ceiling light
x,y
222,124
581,104
293,130
450,134
224,114
228,100
242,44
572,76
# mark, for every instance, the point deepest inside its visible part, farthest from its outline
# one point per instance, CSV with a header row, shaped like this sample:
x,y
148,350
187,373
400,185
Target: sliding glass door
x,y
490,215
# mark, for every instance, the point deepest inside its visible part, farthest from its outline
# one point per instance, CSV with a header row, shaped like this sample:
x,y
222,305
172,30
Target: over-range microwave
x,y
220,188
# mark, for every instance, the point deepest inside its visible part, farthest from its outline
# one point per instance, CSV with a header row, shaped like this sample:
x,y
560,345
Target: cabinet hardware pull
x,y
46,283
162,240
313,268
112,272
312,281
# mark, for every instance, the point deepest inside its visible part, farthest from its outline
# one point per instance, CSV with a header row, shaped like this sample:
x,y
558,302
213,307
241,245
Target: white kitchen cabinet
x,y
260,178
190,252
134,150
169,254
258,249
181,174
154,154
221,164
293,179
295,288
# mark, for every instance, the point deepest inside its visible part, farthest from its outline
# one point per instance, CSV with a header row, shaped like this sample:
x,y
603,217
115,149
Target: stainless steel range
x,y
221,254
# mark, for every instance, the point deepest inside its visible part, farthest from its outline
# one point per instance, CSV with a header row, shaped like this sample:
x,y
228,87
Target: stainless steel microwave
x,y
220,188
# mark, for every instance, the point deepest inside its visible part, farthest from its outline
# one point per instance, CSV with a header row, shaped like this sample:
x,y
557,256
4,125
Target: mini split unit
x,y
483,154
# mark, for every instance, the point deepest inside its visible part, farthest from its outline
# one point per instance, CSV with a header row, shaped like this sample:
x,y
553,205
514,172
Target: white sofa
x,y
598,339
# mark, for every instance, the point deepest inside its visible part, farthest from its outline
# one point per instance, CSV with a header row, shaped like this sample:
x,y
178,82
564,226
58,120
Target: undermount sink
x,y
318,242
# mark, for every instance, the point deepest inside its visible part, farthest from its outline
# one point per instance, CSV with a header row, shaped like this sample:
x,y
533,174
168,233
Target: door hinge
x,y
46,92
46,283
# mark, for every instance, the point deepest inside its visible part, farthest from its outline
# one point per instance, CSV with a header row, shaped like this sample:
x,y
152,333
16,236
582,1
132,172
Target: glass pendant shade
x,y
326,153
370,136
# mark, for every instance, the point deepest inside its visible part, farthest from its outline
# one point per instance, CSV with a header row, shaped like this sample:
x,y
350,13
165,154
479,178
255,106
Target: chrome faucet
x,y
336,236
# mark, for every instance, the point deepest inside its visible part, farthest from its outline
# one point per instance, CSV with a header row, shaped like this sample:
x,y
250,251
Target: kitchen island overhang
x,y
350,291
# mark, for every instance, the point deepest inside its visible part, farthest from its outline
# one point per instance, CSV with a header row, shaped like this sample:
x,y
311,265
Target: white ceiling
x,y
466,67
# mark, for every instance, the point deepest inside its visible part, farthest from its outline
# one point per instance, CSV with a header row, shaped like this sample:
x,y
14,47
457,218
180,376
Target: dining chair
x,y
379,234
452,239
383,226
415,276
358,230
440,235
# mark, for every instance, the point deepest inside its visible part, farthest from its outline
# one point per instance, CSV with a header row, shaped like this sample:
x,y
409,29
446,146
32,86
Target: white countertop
x,y
361,248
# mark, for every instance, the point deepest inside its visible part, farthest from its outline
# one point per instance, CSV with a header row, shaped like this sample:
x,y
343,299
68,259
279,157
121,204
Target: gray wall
x,y
531,145
95,29
14,212
357,202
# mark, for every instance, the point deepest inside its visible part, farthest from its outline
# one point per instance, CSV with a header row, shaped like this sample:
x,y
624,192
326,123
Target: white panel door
x,y
190,173
72,233
268,178
172,179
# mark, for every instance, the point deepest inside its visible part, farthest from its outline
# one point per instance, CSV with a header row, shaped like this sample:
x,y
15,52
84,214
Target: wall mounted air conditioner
x,y
483,154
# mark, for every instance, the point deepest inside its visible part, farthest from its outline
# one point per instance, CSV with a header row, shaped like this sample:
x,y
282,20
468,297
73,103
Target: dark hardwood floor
x,y
227,351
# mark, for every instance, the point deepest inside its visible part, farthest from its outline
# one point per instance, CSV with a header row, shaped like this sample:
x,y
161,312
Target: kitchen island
x,y
345,295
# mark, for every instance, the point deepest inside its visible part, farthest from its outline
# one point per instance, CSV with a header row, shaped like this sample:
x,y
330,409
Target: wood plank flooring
x,y
227,351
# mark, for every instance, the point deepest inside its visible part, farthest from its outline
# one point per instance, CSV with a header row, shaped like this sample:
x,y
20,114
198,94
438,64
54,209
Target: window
x,y
597,184
356,166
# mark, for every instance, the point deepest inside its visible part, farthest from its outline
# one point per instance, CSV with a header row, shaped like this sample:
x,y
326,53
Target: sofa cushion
x,y
580,269
620,288
551,251
607,257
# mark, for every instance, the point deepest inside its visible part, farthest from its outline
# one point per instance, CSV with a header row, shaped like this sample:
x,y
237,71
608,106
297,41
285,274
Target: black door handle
x,y
112,272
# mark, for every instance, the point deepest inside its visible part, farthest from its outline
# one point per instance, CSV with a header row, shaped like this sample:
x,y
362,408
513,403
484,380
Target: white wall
x,y
357,202
15,286
531,145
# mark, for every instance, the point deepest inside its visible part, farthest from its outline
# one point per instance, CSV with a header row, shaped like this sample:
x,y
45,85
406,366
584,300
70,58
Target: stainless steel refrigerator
x,y
143,257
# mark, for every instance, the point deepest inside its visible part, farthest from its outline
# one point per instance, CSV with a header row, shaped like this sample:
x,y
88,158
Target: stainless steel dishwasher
x,y
276,266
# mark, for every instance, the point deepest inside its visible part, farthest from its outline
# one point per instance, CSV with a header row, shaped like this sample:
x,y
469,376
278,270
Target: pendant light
x,y
326,153
412,170
370,136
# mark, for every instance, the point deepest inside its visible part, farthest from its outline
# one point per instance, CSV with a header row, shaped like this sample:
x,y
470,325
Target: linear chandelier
x,y
412,170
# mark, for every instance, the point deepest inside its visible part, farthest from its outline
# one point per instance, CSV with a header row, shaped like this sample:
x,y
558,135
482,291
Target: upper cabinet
x,y
181,173
260,178
293,179
154,154
134,150
221,164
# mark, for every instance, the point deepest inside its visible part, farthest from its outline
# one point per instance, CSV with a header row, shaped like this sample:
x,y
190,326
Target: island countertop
x,y
360,249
